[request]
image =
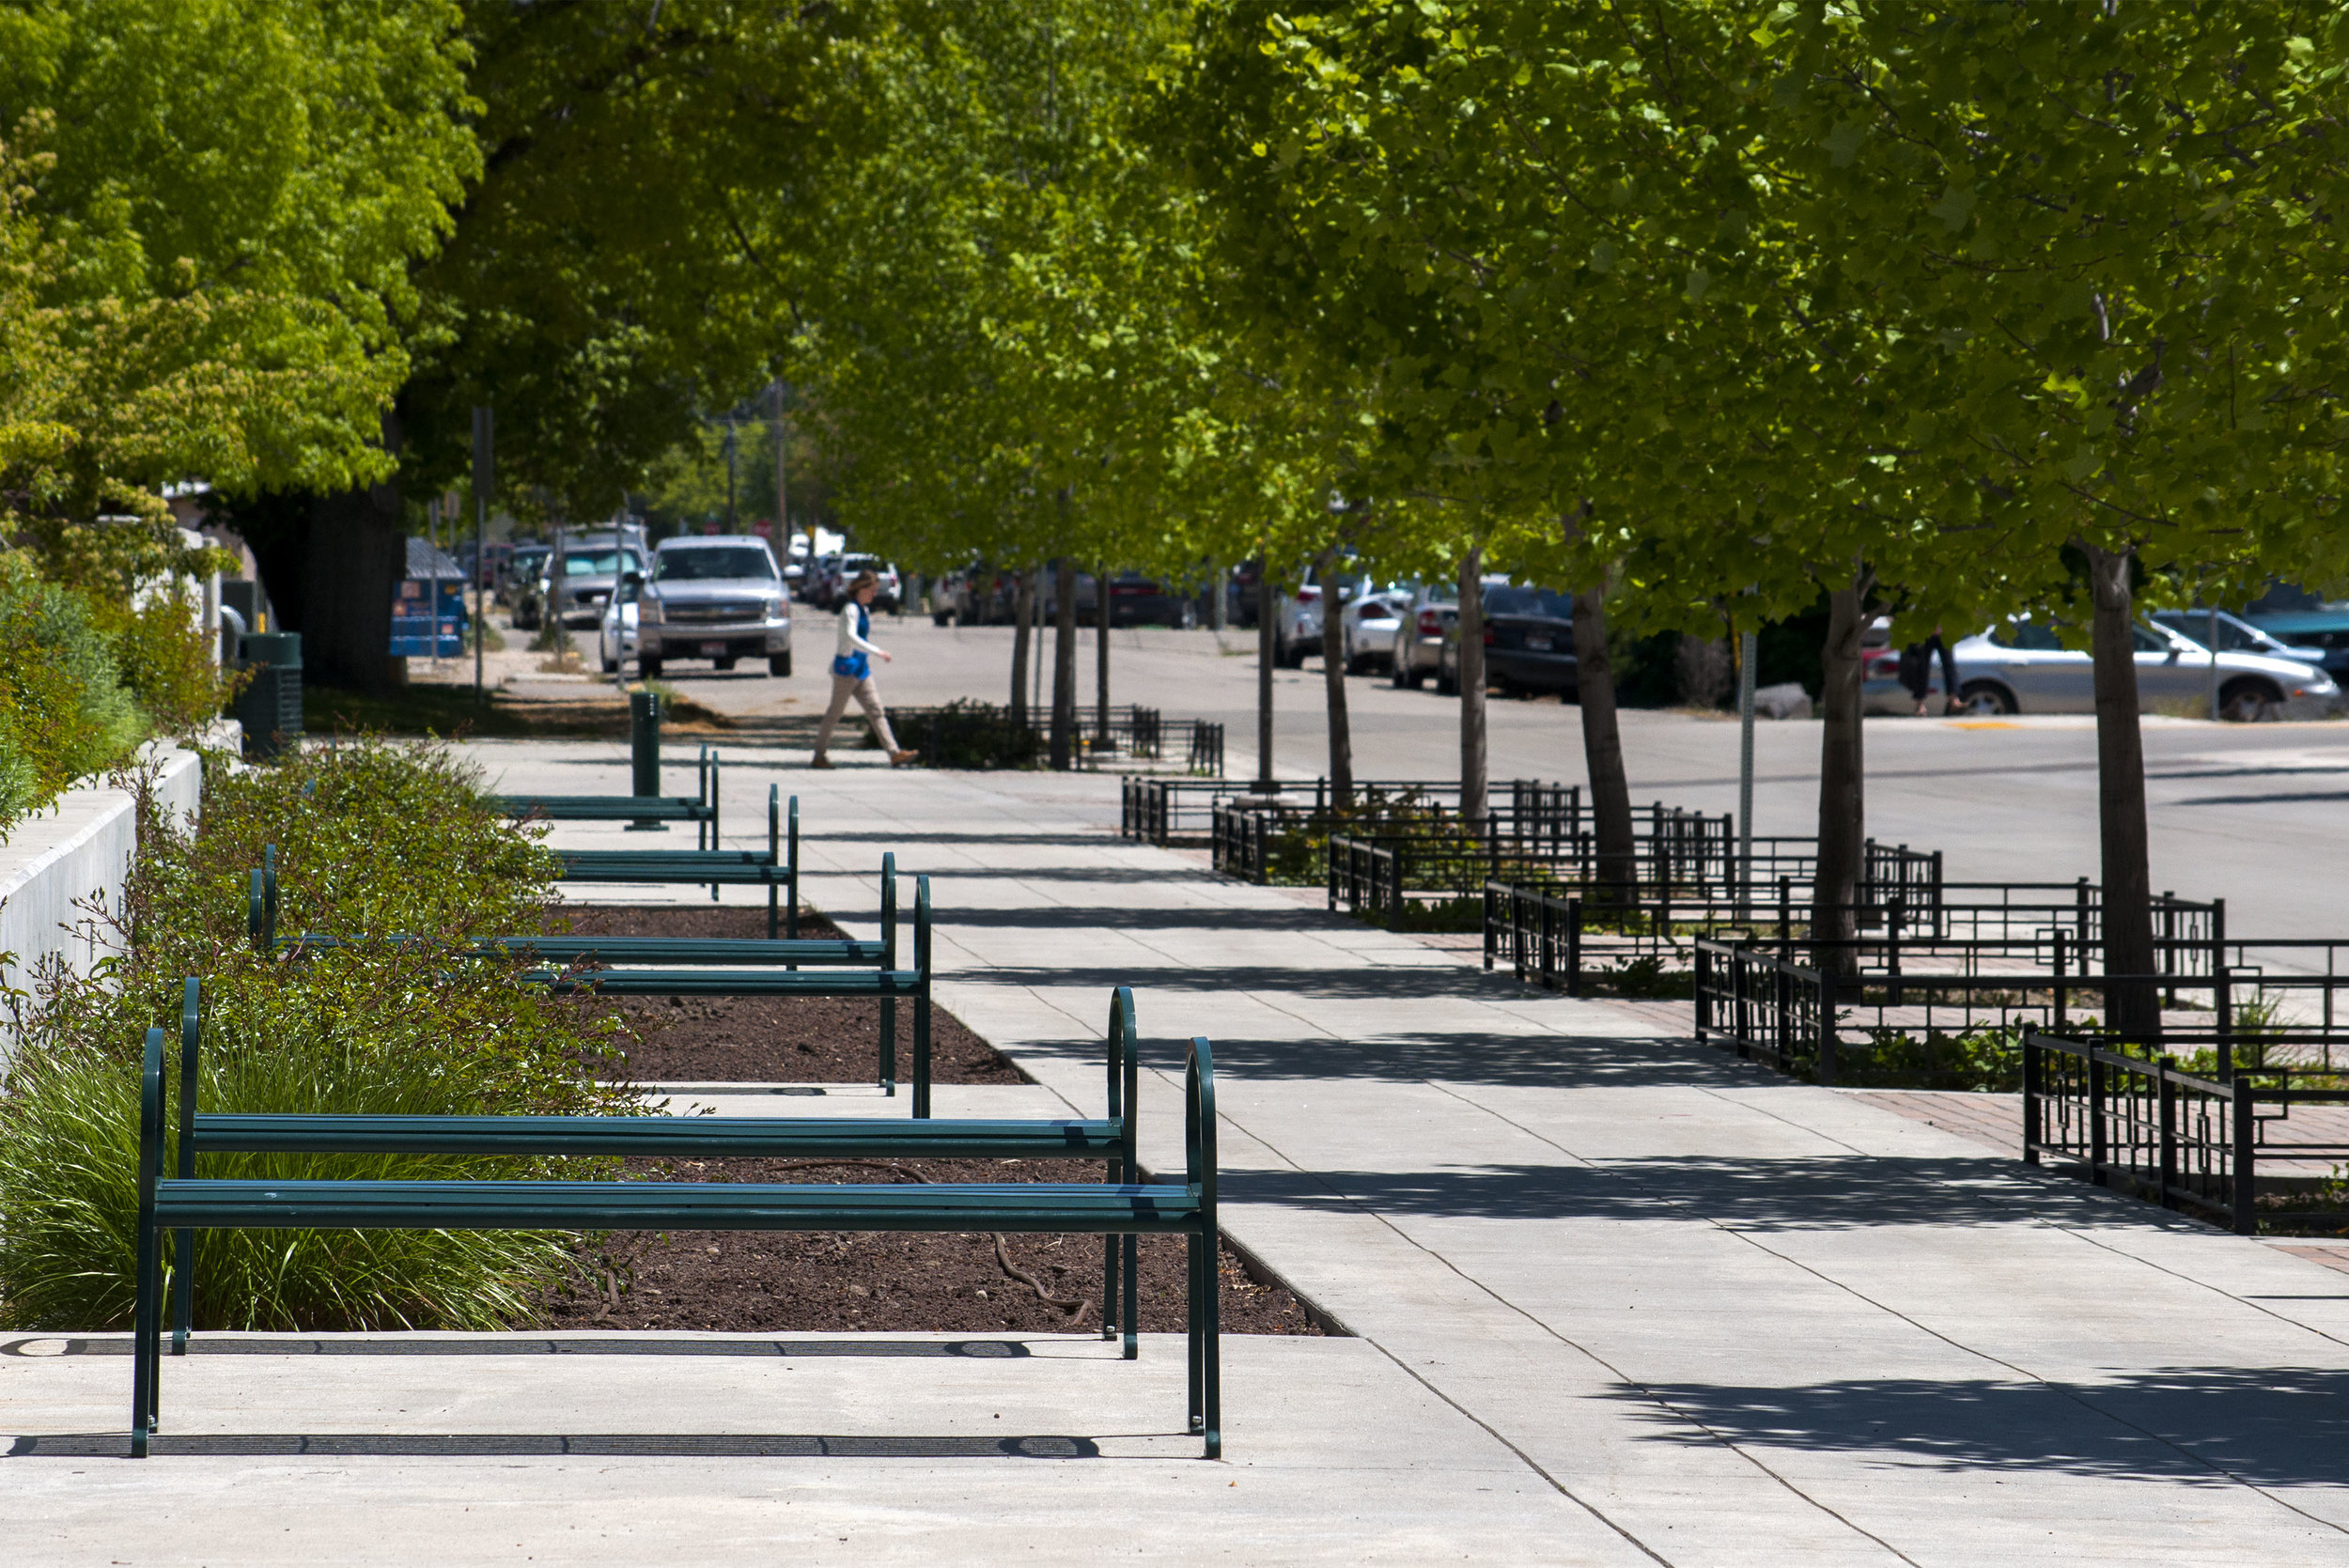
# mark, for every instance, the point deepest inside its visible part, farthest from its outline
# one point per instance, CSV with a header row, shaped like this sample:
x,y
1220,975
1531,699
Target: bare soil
x,y
822,1281
770,1039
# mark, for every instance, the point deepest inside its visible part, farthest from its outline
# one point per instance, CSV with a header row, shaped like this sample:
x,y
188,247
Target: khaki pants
x,y
861,687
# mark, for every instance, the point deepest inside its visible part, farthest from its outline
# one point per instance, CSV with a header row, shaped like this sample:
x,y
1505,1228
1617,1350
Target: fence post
x,y
1331,855
1704,990
1786,919
2223,1001
2096,1112
2163,1069
1489,928
1574,947
2244,1187
2061,990
1826,1063
2034,1058
1892,947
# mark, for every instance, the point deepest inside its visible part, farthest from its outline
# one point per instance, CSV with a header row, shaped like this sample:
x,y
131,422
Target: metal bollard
x,y
644,745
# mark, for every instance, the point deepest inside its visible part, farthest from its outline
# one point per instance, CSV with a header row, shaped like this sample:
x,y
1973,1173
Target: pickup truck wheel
x,y
779,663
649,669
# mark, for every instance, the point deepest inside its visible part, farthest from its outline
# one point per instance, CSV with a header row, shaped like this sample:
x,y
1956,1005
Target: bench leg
x,y
1115,1174
1207,1361
922,1051
1133,1296
1195,1318
771,914
182,1289
889,1045
146,1328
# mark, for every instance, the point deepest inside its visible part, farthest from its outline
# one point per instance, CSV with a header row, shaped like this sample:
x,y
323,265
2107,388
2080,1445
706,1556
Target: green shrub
x,y
967,734
373,838
64,711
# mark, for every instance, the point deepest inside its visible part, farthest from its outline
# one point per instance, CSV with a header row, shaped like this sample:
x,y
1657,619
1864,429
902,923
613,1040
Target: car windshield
x,y
599,562
1527,601
2031,636
704,565
2233,634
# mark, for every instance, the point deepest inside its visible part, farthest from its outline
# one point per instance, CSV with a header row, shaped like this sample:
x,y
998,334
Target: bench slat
x,y
717,1135
1049,1206
731,983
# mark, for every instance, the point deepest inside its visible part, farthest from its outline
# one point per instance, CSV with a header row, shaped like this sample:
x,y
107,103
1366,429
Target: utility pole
x,y
1748,646
483,445
730,527
782,507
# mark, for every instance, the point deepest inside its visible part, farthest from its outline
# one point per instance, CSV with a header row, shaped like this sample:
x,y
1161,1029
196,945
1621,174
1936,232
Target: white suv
x,y
718,598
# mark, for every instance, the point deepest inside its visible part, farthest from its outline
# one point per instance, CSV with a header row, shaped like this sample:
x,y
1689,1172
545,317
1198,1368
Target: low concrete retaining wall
x,y
78,849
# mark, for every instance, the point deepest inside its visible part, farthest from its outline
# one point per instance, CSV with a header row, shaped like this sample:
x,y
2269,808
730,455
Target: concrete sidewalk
x,y
1740,1319
1619,1298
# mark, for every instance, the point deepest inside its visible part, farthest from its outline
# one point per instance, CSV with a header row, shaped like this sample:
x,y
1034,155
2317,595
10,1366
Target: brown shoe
x,y
898,759
819,760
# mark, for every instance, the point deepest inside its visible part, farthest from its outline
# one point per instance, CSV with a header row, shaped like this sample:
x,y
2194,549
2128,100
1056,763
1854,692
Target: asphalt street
x,y
2254,814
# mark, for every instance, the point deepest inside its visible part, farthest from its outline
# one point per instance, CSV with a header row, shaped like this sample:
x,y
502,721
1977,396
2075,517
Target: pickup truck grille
x,y
714,612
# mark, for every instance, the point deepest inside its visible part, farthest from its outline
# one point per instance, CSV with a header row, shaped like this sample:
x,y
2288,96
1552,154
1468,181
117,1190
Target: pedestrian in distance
x,y
852,675
1917,661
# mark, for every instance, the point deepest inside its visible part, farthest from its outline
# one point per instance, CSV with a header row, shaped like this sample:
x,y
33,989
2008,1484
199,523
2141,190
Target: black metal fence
x,y
981,735
1284,838
2187,1140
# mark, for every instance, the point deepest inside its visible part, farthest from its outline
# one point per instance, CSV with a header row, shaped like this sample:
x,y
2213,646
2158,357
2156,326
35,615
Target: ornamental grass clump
x,y
373,839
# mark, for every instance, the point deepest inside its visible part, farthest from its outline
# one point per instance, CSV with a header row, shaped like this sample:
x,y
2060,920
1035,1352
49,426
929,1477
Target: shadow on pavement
x,y
1828,1193
2269,1426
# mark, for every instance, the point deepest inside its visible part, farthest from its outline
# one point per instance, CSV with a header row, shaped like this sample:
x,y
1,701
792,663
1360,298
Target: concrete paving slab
x,y
696,1449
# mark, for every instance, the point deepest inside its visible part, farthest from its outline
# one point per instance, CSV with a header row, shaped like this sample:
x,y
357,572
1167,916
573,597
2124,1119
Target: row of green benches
x,y
1122,1205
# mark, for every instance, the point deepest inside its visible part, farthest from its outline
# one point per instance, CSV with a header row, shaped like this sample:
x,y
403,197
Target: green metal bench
x,y
760,969
776,869
699,809
1121,1206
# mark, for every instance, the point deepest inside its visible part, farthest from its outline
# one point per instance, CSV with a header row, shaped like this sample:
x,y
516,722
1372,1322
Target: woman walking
x,y
852,675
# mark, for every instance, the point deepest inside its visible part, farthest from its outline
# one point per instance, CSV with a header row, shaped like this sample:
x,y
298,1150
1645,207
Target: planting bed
x,y
770,1039
784,1281
840,1282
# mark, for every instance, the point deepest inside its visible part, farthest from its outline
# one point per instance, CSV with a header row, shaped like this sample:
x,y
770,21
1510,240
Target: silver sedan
x,y
2022,666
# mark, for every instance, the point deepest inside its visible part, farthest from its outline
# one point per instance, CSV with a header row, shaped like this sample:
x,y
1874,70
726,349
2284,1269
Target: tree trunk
x,y
331,565
2128,915
1101,653
1268,648
1472,690
1065,664
1602,748
1843,814
1219,590
1024,610
1333,680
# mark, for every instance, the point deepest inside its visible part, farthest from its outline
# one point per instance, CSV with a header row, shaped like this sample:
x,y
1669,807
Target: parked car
x,y
2293,616
1424,636
1529,640
1370,624
593,565
521,587
1138,600
850,564
2022,666
2237,635
976,594
717,596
